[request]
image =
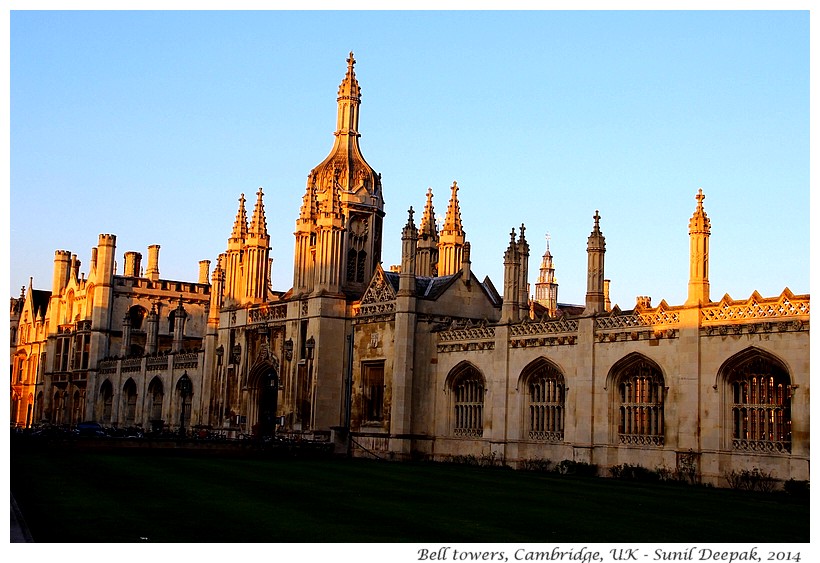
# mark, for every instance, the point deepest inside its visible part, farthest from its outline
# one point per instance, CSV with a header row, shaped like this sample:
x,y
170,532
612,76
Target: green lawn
x,y
69,496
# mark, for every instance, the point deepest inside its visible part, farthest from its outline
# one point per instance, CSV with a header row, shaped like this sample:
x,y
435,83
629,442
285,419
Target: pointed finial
x,y
351,61
410,213
523,228
597,219
454,187
700,197
512,236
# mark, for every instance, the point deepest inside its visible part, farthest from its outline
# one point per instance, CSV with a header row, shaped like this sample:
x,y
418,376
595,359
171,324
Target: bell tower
x,y
339,229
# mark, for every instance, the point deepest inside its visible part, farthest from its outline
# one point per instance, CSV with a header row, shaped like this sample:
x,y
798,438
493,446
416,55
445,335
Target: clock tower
x,y
339,229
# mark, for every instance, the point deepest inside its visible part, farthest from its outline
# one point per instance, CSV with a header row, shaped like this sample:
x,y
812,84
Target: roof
x,y
39,302
434,287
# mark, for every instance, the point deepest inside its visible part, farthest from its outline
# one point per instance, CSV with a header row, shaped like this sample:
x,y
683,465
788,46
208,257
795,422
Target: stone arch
x,y
156,397
105,400
637,394
129,403
263,391
756,391
38,407
467,388
137,314
184,399
543,394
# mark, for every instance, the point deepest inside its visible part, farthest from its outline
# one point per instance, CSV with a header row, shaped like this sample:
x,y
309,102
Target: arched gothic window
x,y
77,408
156,393
545,397
639,396
468,402
129,396
106,399
185,391
759,394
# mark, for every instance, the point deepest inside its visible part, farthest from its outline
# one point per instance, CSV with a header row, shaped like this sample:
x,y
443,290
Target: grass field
x,y
68,496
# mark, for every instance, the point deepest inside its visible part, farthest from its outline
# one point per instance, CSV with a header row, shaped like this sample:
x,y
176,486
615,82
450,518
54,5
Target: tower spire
x,y
338,232
451,238
546,289
258,226
427,249
596,247
349,98
240,224
699,232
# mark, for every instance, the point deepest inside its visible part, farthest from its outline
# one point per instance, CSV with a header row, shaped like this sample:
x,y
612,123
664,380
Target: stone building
x,y
421,361
122,349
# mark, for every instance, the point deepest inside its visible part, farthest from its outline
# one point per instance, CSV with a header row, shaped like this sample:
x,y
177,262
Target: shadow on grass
x,y
73,496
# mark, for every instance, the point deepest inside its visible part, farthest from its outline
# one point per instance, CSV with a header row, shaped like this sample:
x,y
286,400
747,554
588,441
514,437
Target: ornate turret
x,y
699,231
257,250
451,237
546,289
512,272
427,250
523,250
338,232
596,247
233,287
409,240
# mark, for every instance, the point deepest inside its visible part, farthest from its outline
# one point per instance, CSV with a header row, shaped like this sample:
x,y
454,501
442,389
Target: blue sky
x,y
149,125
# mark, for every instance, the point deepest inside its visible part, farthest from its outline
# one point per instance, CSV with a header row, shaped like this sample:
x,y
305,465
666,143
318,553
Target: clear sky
x,y
149,125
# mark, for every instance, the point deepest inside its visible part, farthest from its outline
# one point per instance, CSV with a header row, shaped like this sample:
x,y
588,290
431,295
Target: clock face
x,y
358,227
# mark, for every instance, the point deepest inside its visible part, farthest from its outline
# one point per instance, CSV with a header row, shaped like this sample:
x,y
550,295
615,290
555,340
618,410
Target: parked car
x,y
90,429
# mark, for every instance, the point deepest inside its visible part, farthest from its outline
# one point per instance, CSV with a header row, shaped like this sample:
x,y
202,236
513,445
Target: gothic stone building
x,y
423,360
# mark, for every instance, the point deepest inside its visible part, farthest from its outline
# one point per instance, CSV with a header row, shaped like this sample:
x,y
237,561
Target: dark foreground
x,y
71,495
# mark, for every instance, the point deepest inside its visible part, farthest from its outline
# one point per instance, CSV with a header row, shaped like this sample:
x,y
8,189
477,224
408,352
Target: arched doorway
x,y
262,400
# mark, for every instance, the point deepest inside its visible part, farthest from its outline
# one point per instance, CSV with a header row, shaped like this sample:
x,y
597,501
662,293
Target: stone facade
x,y
422,361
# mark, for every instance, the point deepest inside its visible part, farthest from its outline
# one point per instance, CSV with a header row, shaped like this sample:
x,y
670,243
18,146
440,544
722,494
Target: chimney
x,y
204,265
152,272
132,264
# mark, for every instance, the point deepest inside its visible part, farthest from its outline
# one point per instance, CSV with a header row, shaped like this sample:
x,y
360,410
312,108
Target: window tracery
x,y
545,403
468,403
760,395
640,395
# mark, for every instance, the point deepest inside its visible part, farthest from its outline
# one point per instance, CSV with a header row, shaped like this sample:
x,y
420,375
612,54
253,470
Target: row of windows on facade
x,y
68,408
759,393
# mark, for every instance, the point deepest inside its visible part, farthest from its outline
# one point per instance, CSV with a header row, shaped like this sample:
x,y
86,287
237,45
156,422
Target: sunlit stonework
x,y
422,360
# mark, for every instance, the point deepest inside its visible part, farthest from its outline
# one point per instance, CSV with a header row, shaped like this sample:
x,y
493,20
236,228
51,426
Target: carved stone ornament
x,y
379,290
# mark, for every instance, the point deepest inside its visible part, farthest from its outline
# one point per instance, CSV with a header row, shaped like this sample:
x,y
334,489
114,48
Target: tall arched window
x,y
468,402
38,407
106,400
185,391
129,397
155,391
77,407
544,408
639,397
759,396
